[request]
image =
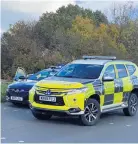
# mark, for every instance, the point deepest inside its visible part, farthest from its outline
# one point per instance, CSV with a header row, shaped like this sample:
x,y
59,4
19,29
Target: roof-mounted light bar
x,y
100,57
56,67
53,67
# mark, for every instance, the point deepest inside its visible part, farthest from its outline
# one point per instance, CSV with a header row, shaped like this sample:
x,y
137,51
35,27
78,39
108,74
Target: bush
x,y
4,86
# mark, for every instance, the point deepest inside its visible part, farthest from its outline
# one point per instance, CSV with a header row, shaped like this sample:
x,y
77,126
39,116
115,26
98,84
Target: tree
x,y
68,34
19,48
103,38
99,18
62,19
126,18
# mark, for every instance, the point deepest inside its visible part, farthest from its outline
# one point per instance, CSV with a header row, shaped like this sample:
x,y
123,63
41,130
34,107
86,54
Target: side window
x,y
121,70
110,71
131,69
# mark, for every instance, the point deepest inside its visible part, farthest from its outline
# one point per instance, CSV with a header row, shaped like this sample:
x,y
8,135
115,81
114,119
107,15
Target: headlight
x,y
75,91
37,87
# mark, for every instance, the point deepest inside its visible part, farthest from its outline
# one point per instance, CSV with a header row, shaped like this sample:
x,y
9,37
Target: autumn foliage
x,y
67,35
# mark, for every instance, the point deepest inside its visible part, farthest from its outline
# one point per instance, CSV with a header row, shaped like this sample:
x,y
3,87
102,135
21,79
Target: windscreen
x,y
83,71
39,75
43,74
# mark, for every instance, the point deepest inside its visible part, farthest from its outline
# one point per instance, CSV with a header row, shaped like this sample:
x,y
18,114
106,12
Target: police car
x,y
18,91
86,88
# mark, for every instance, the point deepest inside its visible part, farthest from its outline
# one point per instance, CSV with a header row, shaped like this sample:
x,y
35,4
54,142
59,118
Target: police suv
x,y
86,88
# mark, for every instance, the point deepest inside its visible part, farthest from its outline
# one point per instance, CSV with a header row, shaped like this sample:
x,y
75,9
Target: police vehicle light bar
x,y
100,57
53,67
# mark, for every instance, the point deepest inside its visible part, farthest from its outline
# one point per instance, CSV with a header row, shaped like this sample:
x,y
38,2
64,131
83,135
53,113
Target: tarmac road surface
x,y
19,126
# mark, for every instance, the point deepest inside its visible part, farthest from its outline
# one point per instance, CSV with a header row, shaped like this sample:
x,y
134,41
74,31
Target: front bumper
x,y
56,112
24,96
72,104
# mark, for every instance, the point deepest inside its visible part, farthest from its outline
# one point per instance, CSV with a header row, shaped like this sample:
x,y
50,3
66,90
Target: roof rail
x,y
100,57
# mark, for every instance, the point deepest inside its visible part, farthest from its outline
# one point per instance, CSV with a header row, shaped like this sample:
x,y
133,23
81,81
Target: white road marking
x,y
111,123
15,110
128,125
21,141
3,138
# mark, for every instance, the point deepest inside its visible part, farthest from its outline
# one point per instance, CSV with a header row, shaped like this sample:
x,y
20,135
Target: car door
x,y
122,87
132,78
109,85
20,72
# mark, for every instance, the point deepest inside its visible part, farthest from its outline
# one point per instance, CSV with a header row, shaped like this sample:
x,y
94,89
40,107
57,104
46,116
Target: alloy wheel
x,y
91,112
133,103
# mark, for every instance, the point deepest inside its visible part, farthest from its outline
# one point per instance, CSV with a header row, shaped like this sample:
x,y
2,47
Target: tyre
x,y
91,114
132,105
41,116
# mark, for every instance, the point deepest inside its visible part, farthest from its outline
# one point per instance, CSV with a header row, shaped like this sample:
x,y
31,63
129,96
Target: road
x,y
18,125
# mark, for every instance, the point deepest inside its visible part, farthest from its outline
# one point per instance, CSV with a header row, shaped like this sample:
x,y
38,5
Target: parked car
x,y
86,88
18,91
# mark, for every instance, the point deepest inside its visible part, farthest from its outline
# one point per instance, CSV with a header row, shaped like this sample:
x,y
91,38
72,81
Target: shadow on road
x,y
113,113
20,106
25,114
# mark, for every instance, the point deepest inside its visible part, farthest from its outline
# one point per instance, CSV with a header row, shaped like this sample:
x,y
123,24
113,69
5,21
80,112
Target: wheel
x,y
91,114
132,105
41,116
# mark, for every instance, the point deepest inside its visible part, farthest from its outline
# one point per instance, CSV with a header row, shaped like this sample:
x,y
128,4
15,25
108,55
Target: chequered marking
x,y
118,97
101,100
99,90
126,96
98,87
134,81
118,85
109,88
114,92
108,99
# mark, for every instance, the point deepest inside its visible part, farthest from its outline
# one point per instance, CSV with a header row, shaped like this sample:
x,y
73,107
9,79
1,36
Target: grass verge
x,y
4,86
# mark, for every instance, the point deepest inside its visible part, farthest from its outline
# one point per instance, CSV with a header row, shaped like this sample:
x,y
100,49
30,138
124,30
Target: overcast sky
x,y
15,10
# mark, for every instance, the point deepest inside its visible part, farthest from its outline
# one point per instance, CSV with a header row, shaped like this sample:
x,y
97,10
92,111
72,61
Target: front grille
x,y
23,94
19,93
59,101
52,92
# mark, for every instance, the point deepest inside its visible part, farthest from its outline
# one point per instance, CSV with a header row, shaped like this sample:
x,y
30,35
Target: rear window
x,y
121,70
131,69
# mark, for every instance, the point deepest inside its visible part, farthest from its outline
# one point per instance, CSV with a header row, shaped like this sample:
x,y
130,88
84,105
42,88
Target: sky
x,y
15,10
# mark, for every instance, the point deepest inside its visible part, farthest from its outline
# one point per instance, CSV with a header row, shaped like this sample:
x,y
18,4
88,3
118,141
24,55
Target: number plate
x,y
46,98
16,98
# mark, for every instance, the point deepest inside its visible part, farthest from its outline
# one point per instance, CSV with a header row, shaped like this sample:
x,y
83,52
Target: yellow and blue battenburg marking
x,y
111,92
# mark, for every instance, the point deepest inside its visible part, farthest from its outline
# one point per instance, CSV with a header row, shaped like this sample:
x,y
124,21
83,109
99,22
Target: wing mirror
x,y
15,79
107,78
